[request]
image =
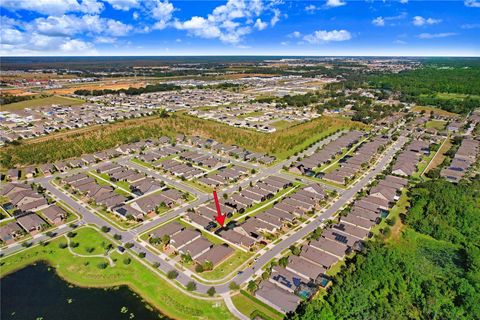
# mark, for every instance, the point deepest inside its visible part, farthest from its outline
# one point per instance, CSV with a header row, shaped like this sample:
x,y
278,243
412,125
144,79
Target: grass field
x,y
250,114
248,304
440,156
437,111
84,271
283,124
41,102
282,144
436,124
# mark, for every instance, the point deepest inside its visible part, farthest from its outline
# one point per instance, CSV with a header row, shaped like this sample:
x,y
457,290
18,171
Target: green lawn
x,y
84,271
250,114
89,238
227,266
283,124
248,304
41,102
437,111
436,124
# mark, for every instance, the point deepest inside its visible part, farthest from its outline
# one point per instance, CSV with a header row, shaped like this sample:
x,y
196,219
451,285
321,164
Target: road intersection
x,y
267,254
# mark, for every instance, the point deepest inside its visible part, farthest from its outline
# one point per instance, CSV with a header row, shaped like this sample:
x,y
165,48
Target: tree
x,y
117,237
199,268
233,286
127,260
172,274
165,239
252,286
105,229
191,286
102,265
208,265
142,254
128,245
211,292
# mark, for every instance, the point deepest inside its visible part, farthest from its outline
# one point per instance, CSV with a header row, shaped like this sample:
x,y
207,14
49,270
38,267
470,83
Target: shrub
x,y
191,286
172,274
62,245
199,268
211,291
233,286
105,229
127,261
102,265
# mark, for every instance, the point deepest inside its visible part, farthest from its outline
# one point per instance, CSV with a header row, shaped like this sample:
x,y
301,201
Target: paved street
x,y
184,277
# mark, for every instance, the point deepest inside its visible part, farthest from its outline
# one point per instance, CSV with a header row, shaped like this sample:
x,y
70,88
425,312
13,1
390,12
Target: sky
x,y
239,27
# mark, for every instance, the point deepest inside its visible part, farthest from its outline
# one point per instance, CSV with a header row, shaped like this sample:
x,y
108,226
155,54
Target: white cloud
x,y
284,43
295,34
470,26
105,40
399,42
54,7
335,3
275,18
260,25
323,36
135,15
70,25
311,8
378,21
472,3
91,6
11,36
436,35
421,21
123,5
230,22
76,45
162,12
403,1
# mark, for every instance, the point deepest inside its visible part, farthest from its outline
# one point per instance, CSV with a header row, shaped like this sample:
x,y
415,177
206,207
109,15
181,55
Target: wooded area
x,y
432,272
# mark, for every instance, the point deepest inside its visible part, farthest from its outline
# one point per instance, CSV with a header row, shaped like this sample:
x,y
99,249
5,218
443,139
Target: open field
x,y
283,124
113,85
436,124
83,271
41,102
282,144
440,156
437,111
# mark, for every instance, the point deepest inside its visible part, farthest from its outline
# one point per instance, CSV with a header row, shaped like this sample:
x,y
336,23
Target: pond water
x,y
38,293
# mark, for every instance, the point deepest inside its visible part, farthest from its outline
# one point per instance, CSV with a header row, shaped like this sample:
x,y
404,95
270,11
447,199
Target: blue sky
x,y
240,27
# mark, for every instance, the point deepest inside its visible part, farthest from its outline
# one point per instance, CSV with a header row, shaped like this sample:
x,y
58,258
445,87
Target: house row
x,y
351,165
200,159
464,158
407,161
327,153
102,195
179,169
303,273
238,202
28,204
187,241
224,176
157,154
276,219
231,150
23,198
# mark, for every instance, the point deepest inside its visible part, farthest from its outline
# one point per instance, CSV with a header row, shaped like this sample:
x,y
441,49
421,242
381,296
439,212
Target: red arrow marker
x,y
220,218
